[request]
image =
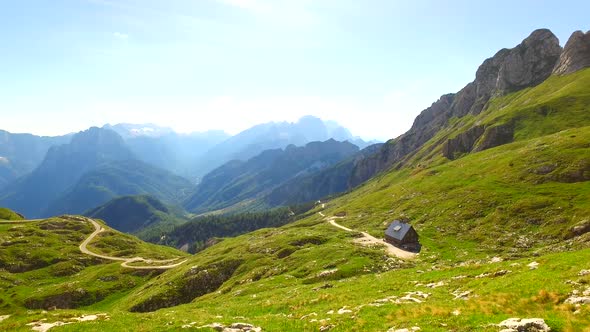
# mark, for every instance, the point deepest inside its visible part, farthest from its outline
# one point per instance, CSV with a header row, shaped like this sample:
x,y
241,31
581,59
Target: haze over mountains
x,y
100,164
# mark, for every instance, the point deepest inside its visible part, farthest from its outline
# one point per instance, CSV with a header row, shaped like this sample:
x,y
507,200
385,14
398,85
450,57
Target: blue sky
x,y
193,65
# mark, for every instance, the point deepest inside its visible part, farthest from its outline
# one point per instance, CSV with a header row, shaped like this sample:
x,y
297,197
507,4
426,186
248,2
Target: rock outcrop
x,y
528,64
524,325
462,143
576,54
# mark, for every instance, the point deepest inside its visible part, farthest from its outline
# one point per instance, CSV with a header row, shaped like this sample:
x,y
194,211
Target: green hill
x,y
120,178
142,215
41,266
7,214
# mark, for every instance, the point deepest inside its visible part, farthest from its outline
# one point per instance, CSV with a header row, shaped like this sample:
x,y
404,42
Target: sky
x,y
197,65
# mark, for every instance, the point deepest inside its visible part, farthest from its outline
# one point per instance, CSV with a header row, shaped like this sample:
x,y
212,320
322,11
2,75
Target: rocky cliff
x,y
576,54
528,64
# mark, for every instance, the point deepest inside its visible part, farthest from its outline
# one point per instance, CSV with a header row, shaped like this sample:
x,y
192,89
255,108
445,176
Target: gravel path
x,y
126,261
368,239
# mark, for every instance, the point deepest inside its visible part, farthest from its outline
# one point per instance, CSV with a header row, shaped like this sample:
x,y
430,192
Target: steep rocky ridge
x,y
509,70
576,54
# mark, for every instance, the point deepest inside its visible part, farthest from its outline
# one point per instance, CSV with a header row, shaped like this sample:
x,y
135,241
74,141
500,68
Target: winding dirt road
x,y
126,261
369,239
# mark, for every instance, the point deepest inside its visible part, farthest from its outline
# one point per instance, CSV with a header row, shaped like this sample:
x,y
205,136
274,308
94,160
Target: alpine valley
x,y
134,227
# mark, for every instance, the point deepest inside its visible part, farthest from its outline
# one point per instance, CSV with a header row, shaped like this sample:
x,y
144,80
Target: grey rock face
x,y
509,70
576,54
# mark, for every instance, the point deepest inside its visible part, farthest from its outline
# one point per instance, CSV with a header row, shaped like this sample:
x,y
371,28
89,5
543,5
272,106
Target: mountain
x,y
253,141
22,153
311,187
62,167
120,178
242,181
526,65
164,148
142,215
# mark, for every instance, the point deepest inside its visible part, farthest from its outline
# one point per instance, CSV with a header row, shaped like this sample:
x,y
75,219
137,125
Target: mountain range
x,y
242,182
99,164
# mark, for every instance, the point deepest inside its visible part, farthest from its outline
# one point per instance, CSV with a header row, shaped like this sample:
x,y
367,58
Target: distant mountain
x,y
253,141
164,148
22,153
120,178
240,181
142,215
62,167
311,187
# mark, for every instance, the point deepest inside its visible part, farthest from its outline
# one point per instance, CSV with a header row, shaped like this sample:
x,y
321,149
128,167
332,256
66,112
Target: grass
x,y
518,202
7,214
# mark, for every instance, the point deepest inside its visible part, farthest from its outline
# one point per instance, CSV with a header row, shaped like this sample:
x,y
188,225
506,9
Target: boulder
x,y
524,325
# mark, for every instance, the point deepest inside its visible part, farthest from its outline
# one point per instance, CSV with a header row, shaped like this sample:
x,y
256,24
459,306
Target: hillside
x,y
7,214
62,167
311,187
120,178
142,215
41,258
243,181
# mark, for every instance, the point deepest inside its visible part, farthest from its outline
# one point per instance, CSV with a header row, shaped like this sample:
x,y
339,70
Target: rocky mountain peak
x,y
527,64
576,54
509,70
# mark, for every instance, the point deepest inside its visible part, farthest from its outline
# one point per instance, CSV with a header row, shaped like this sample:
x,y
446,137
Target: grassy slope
x,y
142,215
41,265
7,214
518,201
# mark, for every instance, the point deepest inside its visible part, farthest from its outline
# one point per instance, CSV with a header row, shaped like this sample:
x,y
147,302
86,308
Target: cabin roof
x,y
398,230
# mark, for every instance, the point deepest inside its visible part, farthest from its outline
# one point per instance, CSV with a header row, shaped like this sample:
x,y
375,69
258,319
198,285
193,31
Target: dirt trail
x,y
126,261
368,239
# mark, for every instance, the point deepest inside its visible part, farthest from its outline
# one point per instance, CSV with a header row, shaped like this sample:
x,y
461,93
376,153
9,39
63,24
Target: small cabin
x,y
402,235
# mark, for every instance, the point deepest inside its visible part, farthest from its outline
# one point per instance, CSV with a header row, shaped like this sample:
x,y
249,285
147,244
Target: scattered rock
x,y
413,297
524,325
496,260
584,273
313,314
533,265
580,228
42,326
327,273
461,295
4,317
411,329
326,327
324,286
500,273
234,327
343,310
435,284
